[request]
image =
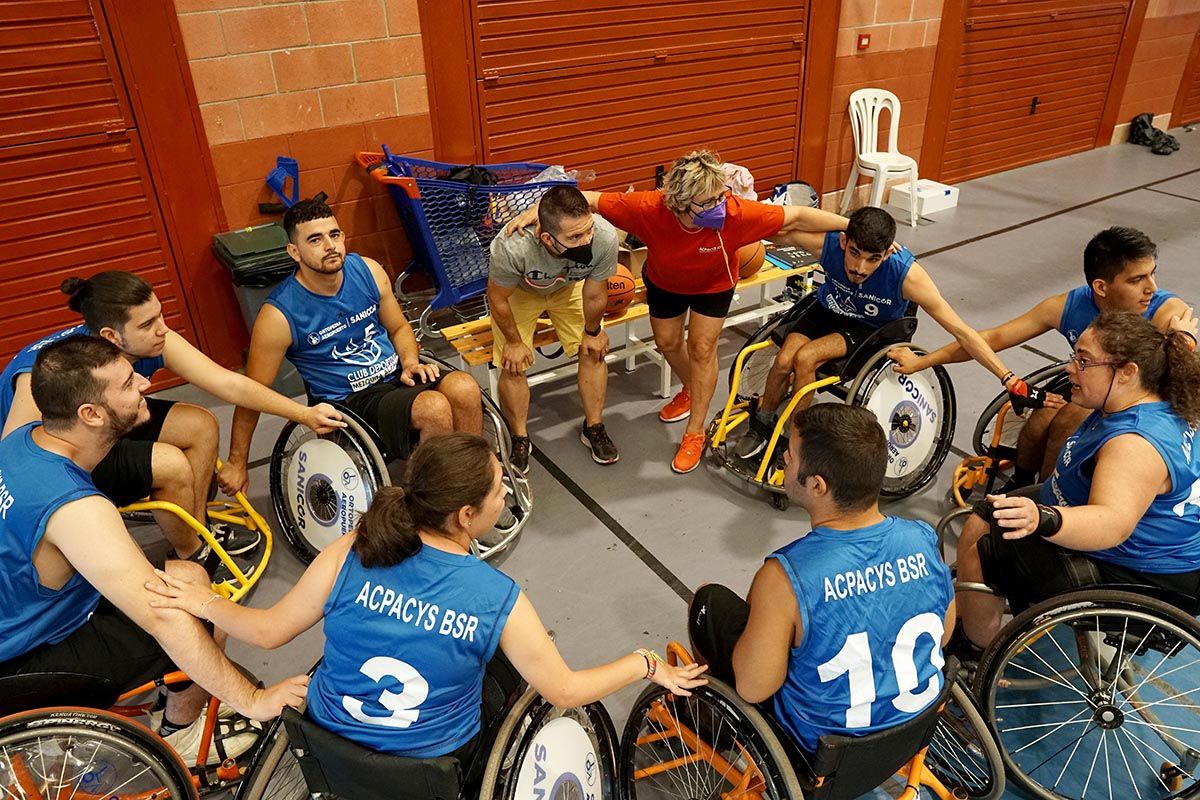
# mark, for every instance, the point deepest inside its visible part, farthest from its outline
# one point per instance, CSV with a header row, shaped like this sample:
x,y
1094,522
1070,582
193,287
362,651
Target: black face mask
x,y
580,254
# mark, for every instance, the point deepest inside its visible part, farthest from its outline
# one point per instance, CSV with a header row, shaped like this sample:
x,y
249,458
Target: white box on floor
x,y
931,198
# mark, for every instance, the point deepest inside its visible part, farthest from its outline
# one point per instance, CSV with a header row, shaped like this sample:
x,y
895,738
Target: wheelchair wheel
x,y
543,751
1097,690
713,744
71,752
962,753
274,773
917,413
758,364
985,428
320,484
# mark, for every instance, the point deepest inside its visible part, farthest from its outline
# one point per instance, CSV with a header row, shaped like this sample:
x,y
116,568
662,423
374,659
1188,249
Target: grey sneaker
x,y
235,541
519,457
750,445
602,447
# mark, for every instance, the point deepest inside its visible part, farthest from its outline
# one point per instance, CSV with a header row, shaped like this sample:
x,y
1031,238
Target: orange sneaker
x,y
679,408
690,451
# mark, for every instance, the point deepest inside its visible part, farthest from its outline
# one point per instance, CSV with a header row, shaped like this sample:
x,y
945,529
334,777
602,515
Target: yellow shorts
x,y
564,307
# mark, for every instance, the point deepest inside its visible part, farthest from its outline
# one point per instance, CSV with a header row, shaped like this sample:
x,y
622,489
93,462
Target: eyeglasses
x,y
707,204
1081,363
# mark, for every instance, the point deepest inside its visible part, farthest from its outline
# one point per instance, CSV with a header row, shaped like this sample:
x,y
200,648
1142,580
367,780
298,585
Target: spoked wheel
x,y
320,484
88,755
1097,692
917,414
712,744
274,774
962,753
560,753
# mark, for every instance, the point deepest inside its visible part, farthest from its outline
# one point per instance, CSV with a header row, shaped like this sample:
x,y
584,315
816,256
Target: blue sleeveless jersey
x,y
1080,310
405,651
34,483
1167,538
22,364
339,346
873,605
880,299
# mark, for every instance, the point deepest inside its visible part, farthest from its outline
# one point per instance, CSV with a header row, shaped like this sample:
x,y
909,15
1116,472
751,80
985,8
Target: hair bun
x,y
72,286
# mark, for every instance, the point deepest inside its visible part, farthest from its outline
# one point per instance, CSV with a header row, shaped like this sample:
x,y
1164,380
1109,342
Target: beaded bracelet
x,y
205,605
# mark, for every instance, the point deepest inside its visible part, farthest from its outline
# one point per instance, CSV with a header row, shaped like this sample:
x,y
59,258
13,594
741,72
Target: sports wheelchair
x,y
995,437
537,751
1098,688
916,411
75,748
714,744
320,484
239,513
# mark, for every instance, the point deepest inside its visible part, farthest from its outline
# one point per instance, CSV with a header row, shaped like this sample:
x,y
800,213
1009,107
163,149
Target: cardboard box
x,y
932,197
635,260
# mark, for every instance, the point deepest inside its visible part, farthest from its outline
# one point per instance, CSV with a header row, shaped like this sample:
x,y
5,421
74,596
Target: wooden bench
x,y
473,340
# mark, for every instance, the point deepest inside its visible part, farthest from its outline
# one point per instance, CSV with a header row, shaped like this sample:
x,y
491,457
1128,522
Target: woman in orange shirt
x,y
693,228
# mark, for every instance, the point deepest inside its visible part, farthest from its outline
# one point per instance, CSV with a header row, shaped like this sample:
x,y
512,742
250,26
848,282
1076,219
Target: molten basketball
x,y
620,291
751,258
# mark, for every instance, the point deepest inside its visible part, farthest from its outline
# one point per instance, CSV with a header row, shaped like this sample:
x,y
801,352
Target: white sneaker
x,y
233,736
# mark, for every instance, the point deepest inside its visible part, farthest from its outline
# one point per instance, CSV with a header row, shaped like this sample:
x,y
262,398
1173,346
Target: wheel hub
x,y
1108,716
322,499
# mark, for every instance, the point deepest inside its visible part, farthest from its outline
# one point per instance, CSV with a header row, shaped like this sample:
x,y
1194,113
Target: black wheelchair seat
x,y
334,766
845,767
891,333
32,690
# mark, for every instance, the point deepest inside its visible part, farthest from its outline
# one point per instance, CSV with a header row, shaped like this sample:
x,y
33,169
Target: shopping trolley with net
x,y
451,213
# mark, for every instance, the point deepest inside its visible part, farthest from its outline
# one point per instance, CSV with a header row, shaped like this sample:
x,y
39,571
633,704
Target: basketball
x,y
621,288
751,257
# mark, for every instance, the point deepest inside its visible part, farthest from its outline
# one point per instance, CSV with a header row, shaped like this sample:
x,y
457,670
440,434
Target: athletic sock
x,y
166,728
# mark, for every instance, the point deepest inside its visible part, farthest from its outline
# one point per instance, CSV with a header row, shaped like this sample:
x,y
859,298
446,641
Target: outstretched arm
x,y
525,641
1033,323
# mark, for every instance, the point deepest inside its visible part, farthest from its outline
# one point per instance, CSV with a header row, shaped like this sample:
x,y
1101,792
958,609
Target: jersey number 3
x,y
855,659
403,706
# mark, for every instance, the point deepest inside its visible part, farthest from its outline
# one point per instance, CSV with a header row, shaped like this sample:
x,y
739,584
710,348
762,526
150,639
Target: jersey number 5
x,y
855,659
403,706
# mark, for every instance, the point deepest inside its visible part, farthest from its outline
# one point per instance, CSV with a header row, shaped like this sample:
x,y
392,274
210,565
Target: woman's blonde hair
x,y
696,174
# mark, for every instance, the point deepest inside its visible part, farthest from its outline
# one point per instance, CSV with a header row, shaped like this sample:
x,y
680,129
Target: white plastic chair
x,y
866,106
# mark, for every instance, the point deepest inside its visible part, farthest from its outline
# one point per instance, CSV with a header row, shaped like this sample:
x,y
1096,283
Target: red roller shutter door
x,y
1031,82
629,86
1189,89
78,194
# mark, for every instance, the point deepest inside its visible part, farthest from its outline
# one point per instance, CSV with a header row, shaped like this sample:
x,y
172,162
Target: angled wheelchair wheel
x,y
1097,693
985,427
917,413
712,744
962,753
320,484
91,755
273,773
543,751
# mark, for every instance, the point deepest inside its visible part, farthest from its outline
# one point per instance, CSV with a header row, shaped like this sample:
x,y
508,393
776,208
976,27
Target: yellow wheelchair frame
x,y
737,413
240,513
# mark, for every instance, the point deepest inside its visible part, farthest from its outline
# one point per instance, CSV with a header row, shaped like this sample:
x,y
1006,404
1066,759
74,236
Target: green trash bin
x,y
258,261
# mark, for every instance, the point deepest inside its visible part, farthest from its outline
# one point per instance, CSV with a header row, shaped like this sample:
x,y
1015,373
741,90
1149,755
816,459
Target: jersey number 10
x,y
855,659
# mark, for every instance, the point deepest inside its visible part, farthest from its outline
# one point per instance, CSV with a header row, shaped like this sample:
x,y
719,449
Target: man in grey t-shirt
x,y
560,270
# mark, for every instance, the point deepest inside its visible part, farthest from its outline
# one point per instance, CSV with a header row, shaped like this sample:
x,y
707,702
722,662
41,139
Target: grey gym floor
x,y
612,553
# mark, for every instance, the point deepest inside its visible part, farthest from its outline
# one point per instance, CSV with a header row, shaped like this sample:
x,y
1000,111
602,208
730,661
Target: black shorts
x,y
125,475
109,646
668,305
817,321
387,407
1030,569
716,618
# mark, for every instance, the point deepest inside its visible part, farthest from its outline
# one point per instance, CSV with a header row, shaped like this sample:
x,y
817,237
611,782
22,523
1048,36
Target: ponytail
x,y
1166,364
385,534
1181,378
444,474
104,300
